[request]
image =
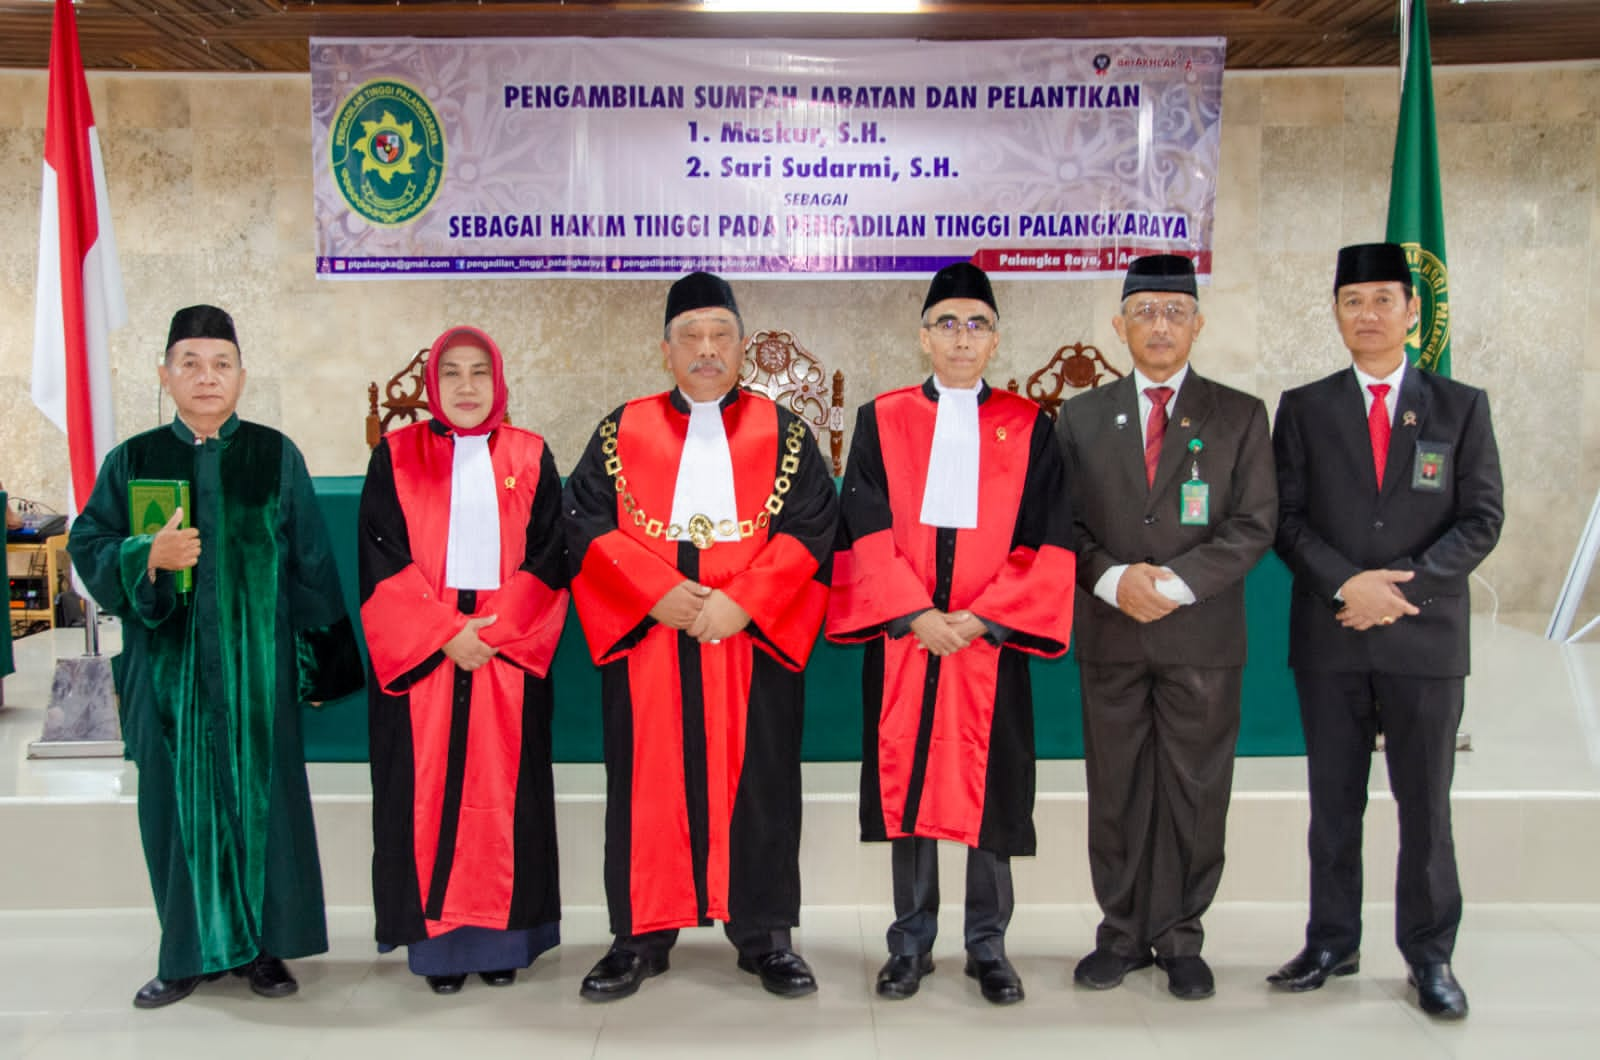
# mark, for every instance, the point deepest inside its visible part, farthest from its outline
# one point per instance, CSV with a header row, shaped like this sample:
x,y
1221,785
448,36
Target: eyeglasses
x,y
1175,313
950,327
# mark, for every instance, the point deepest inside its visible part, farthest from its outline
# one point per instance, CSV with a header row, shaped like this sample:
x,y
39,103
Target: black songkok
x,y
1161,272
961,280
700,290
1372,263
201,322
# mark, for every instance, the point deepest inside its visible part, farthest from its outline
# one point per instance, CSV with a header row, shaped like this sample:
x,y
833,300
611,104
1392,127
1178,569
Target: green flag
x,y
1416,211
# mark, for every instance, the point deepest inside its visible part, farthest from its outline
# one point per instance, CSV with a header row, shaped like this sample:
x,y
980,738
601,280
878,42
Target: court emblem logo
x,y
387,152
1431,280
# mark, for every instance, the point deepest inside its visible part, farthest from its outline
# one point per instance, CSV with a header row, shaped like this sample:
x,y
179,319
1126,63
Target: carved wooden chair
x,y
778,367
1079,366
403,399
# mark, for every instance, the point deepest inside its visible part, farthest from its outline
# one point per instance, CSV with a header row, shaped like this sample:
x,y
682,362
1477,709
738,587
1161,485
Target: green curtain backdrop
x,y
1270,725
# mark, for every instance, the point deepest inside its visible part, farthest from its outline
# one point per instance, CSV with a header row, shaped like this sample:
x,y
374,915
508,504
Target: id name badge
x,y
1430,470
1194,505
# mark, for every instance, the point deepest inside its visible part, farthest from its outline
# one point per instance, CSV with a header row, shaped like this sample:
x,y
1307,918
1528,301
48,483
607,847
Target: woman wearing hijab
x,y
463,598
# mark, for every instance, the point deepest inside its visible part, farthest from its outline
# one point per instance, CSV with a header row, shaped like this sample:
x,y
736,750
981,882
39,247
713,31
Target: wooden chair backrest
x,y
777,366
1077,366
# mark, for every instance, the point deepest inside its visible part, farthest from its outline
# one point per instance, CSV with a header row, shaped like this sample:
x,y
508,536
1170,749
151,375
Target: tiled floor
x,y
1529,970
67,977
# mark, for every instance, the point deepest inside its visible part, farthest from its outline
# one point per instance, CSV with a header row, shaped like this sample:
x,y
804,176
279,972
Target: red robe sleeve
x,y
531,605
615,579
406,621
873,583
785,589
1031,595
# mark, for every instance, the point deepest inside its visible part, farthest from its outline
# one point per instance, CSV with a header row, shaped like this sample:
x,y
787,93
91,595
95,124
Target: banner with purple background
x,y
634,158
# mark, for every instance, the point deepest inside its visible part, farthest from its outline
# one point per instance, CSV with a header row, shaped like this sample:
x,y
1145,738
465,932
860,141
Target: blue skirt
x,y
477,949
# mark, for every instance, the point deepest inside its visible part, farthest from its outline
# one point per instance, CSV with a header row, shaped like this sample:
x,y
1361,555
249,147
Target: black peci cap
x,y
1372,263
700,290
960,280
1161,272
201,322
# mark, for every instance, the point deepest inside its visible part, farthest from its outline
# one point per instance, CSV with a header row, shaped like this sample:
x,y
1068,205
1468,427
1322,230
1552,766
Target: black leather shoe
x,y
1438,993
782,972
268,976
1310,968
502,977
1188,978
998,981
900,976
618,975
1103,969
158,991
446,984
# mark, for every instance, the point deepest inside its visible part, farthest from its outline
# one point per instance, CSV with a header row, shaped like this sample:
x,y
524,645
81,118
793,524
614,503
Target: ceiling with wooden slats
x,y
272,35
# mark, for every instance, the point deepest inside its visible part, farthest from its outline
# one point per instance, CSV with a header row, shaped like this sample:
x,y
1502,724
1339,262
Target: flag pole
x,y
79,302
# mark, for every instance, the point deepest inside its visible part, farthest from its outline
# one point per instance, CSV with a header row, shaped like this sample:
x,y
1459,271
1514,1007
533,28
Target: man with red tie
x,y
1390,496
1174,503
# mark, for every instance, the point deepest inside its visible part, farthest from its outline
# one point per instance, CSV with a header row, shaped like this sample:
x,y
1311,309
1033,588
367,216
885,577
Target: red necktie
x,y
1378,428
1155,430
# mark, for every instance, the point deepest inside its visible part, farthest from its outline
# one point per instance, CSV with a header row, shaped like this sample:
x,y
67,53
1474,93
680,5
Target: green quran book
x,y
151,502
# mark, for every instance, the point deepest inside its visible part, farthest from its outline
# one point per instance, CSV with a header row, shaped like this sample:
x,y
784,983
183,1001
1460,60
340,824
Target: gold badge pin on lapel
x,y
511,482
1000,434
1184,422
1409,419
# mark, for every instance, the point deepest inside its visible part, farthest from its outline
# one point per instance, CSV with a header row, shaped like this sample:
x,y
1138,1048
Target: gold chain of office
x,y
701,530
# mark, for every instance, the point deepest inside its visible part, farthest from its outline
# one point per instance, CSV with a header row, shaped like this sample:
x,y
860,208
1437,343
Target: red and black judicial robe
x,y
463,804
702,742
947,751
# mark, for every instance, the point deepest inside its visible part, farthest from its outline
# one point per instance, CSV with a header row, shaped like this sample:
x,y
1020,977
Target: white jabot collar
x,y
472,556
950,496
705,473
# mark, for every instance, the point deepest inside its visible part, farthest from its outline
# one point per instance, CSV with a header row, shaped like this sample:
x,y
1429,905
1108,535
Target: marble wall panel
x,y
1301,187
1290,99
211,191
143,103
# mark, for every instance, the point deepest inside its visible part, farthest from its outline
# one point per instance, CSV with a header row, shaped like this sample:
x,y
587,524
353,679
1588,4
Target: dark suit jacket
x,y
1333,521
1119,519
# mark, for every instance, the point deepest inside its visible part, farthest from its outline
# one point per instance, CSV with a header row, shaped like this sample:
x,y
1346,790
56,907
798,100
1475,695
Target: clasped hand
x,y
1372,598
708,615
466,649
1137,595
945,633
173,548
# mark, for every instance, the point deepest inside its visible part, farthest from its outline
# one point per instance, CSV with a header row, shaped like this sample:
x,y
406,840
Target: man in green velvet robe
x,y
211,677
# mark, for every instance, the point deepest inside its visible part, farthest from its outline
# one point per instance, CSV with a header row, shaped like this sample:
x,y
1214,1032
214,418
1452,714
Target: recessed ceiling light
x,y
817,7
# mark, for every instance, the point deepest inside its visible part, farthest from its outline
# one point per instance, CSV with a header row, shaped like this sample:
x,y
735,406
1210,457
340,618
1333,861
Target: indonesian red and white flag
x,y
80,298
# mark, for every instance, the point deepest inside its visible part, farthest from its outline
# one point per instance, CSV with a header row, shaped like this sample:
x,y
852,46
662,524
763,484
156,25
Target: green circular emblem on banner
x,y
1431,278
387,152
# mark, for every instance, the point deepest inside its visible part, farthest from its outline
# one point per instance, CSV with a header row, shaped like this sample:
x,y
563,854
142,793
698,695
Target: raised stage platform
x,y
1527,803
